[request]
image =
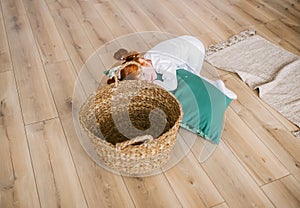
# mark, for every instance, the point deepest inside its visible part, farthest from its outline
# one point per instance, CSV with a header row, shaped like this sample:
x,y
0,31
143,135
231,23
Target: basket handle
x,y
117,73
122,145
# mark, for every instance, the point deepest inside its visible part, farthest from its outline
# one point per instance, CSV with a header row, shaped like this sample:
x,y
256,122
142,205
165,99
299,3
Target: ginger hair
x,y
129,72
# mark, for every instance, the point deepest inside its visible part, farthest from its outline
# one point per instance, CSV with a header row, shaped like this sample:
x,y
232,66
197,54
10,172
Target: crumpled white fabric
x,y
183,52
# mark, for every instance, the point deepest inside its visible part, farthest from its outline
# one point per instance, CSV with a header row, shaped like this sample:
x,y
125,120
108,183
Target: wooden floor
x,y
43,45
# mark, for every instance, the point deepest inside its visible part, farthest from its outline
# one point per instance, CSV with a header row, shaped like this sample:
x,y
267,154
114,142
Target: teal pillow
x,y
203,105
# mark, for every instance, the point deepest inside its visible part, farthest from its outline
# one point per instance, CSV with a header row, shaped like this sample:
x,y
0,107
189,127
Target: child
x,y
183,52
175,65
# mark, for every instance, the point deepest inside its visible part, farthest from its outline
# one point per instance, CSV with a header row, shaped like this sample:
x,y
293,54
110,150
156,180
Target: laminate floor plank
x,y
74,37
110,13
194,189
57,181
284,192
161,16
97,31
20,37
190,21
140,23
5,60
284,8
265,9
223,205
12,8
135,16
259,161
271,132
7,170
209,17
290,34
17,181
50,49
144,189
100,187
221,11
35,96
255,12
47,37
232,181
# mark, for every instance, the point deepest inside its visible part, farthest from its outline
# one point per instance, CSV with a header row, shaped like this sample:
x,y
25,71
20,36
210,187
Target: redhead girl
x,y
184,52
175,65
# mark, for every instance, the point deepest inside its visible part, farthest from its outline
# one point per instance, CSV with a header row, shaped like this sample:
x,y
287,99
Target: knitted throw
x,y
264,66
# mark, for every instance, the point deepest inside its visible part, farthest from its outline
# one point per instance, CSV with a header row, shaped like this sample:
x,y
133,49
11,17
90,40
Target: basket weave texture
x,y
132,125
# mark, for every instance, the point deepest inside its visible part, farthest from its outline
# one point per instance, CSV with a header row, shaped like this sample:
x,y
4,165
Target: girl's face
x,y
133,72
144,62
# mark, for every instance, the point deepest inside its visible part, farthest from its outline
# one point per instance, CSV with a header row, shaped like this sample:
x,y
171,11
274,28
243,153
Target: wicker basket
x,y
116,120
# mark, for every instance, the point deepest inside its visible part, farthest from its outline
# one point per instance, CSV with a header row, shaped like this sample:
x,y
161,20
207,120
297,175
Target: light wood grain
x,y
284,192
97,31
142,24
99,186
48,46
265,9
232,180
245,13
145,190
53,4
210,18
135,16
17,182
48,40
209,39
111,16
35,97
56,177
87,16
259,160
91,73
161,16
191,184
269,130
5,61
74,37
21,40
290,35
284,8
7,173
221,11
13,8
252,11
189,20
223,205
137,21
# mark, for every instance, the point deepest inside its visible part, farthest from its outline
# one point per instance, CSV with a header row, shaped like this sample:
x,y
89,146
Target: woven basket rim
x,y
143,84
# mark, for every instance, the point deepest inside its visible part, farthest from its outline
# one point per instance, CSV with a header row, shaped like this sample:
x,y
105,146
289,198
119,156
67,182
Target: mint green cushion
x,y
203,105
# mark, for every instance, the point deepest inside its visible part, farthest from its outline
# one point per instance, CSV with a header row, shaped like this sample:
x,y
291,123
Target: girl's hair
x,y
129,72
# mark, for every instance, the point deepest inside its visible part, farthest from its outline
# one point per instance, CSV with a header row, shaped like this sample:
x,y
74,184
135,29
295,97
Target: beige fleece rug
x,y
264,66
